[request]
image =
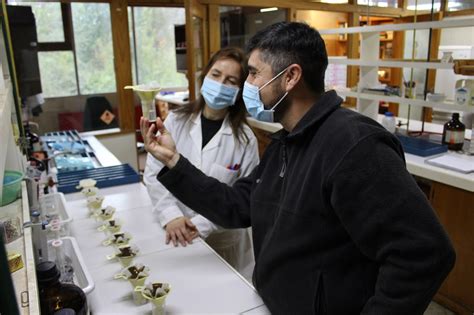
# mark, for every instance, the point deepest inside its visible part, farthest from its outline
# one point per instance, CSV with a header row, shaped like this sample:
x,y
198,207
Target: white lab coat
x,y
221,151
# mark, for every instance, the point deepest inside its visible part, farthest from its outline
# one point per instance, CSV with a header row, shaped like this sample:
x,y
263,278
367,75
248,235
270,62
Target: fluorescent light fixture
x,y
453,5
423,7
373,3
268,9
427,6
334,1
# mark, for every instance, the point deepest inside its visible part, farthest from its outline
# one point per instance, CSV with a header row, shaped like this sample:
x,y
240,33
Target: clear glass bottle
x,y
453,133
55,295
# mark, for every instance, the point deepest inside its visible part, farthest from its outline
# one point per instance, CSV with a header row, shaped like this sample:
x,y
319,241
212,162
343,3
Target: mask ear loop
x,y
274,78
281,100
284,95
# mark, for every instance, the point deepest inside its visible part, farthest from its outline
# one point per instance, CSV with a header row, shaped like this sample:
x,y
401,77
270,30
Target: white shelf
x,y
24,279
447,23
406,101
391,64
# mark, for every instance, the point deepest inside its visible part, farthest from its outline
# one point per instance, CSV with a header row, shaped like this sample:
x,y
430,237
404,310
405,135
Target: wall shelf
x,y
24,279
391,63
370,62
405,101
448,23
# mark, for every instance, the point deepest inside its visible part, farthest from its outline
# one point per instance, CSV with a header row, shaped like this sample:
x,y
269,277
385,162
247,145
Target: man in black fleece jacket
x,y
339,225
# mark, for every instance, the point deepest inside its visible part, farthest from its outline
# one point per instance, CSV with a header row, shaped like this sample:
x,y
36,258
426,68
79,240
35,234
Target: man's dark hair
x,y
285,43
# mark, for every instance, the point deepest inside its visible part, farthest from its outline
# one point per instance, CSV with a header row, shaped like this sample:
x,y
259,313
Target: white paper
x,y
460,163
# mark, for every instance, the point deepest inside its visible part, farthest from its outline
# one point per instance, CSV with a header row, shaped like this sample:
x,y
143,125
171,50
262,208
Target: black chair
x,y
96,106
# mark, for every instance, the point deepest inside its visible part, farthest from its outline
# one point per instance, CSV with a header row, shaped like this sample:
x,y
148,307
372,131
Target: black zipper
x,y
283,167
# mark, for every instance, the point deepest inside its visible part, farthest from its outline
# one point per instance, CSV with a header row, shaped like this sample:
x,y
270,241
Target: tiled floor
x,y
436,309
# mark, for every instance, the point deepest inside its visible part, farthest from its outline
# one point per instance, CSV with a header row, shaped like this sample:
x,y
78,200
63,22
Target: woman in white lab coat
x,y
213,134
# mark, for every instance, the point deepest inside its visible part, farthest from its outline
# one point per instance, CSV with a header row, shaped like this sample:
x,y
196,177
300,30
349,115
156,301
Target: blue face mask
x,y
218,95
254,104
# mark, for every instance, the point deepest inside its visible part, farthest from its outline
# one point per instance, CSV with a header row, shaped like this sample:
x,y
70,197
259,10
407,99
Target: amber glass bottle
x,y
453,133
55,295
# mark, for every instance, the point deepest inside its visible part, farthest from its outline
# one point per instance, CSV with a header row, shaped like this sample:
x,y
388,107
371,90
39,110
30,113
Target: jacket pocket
x,y
223,174
320,304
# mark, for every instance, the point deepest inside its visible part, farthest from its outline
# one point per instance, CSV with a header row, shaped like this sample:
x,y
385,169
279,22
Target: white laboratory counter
x,y
201,282
415,164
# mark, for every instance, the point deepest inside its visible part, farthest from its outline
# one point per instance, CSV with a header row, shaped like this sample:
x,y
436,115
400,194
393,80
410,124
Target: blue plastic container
x,y
104,176
421,147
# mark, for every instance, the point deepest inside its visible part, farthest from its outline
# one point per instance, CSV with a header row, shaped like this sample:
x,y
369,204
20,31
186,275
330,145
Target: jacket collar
x,y
325,105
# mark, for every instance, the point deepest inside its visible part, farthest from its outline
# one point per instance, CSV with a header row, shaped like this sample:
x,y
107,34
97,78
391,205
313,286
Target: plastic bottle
x,y
388,121
55,295
63,262
39,237
471,146
34,142
453,133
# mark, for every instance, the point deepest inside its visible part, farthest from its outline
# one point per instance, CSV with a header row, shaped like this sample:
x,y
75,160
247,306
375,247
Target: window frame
x,y
68,43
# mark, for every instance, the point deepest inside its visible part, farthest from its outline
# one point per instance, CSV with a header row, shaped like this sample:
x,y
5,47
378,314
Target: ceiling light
x,y
424,7
334,1
268,9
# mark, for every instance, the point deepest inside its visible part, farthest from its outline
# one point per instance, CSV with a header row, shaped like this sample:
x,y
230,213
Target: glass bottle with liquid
x,y
54,295
453,133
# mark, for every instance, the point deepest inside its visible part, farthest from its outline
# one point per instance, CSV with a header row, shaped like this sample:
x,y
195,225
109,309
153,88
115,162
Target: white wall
x,y
458,36
123,146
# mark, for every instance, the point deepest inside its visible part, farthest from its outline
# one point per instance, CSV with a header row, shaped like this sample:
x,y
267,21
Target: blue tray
x,y
105,177
421,147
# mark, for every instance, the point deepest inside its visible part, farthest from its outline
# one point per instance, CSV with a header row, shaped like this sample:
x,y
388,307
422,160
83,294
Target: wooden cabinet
x,y
455,209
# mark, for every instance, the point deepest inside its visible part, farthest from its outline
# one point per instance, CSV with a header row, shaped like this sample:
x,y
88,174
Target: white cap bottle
x,y
388,121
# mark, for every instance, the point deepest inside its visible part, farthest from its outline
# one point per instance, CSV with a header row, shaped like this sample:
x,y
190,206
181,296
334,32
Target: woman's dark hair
x,y
237,112
285,43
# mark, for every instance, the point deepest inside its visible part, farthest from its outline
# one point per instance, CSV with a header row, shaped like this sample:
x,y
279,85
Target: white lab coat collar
x,y
196,133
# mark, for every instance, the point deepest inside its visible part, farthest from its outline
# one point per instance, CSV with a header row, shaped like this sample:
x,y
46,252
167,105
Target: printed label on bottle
x,y
453,137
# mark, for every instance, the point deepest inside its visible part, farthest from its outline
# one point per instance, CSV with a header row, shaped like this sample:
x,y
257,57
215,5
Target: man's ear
x,y
293,76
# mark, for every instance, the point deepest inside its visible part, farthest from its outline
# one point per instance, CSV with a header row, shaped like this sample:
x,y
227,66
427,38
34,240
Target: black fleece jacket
x,y
339,225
